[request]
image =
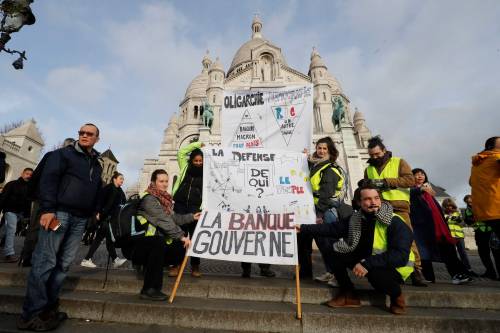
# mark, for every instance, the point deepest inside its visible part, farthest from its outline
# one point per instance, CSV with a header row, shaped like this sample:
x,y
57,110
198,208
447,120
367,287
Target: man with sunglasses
x,y
68,190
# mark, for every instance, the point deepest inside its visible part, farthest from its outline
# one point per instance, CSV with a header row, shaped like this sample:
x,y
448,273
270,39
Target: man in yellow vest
x,y
393,177
376,245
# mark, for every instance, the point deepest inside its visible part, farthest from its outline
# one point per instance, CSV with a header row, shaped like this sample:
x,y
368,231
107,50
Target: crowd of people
x,y
393,230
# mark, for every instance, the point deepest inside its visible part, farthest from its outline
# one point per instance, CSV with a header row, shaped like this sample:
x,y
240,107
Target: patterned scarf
x,y
315,160
163,196
384,215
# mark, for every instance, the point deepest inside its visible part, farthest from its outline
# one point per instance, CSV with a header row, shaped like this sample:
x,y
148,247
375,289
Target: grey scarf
x,y
384,215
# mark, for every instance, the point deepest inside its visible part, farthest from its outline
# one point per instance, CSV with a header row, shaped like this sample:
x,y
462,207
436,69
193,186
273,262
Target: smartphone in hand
x,y
54,224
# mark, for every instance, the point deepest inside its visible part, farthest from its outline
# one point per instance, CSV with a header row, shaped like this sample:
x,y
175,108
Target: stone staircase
x,y
228,303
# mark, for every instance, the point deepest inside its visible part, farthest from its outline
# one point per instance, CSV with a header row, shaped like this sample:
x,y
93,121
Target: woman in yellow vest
x,y
326,182
456,223
162,227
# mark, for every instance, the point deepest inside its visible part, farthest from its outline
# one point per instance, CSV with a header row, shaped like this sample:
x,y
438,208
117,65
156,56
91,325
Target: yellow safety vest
x,y
151,229
380,246
391,170
456,230
316,179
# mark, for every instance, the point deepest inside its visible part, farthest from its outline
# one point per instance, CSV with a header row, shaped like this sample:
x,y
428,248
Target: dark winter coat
x,y
2,166
188,196
14,197
34,183
423,225
110,199
70,181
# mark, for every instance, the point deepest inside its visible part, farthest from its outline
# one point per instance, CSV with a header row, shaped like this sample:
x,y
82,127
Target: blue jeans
x,y
54,253
10,231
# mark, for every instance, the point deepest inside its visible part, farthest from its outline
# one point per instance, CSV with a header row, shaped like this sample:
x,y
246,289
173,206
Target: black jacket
x,y
189,195
2,166
399,239
34,183
70,181
14,197
110,198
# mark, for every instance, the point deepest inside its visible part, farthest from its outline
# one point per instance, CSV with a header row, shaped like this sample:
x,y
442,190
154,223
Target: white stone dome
x,y
198,87
244,53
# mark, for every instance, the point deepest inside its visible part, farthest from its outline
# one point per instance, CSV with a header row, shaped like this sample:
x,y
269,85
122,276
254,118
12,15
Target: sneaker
x,y
118,262
461,279
333,282
88,263
324,277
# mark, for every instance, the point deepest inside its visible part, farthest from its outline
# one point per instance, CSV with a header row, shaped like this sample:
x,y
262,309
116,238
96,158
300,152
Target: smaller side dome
x,y
316,60
216,66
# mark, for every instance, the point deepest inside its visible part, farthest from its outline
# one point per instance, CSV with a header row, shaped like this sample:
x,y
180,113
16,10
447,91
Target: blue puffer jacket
x,y
70,181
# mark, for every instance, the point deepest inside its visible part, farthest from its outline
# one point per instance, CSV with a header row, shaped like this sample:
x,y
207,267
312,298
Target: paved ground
x,y
220,267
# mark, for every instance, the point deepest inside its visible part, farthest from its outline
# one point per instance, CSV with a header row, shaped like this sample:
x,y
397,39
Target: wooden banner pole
x,y
297,292
178,280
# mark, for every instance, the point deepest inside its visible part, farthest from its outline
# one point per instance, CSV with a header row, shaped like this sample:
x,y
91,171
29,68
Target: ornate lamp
x,y
15,14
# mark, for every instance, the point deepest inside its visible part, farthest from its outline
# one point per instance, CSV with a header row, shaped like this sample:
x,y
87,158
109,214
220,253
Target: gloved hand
x,y
380,184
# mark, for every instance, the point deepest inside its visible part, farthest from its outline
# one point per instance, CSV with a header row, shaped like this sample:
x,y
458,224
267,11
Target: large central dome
x,y
244,53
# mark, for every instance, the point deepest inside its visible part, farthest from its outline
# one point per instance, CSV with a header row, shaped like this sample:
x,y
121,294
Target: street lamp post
x,y
15,15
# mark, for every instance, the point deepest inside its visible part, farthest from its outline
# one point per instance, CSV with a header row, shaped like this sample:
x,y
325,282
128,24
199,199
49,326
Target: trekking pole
x,y
106,275
178,280
297,292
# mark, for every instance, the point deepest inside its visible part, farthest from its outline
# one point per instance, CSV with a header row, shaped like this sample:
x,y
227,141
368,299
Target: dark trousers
x,y
448,254
189,231
102,232
384,280
32,233
150,252
304,250
174,253
483,248
324,245
247,266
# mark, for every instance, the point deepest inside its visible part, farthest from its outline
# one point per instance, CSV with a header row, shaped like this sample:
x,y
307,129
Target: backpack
x,y
124,225
345,185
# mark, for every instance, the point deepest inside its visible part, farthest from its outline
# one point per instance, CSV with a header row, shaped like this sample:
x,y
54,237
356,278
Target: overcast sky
x,y
426,74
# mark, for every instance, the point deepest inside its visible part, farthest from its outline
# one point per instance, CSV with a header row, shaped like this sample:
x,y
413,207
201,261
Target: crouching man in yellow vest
x,y
376,245
393,177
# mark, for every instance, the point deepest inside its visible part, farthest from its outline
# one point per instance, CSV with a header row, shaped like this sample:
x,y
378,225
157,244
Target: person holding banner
x,y
326,182
162,228
377,247
187,193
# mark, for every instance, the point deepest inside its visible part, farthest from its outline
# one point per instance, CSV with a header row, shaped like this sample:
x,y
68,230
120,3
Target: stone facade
x,y
22,147
259,63
109,165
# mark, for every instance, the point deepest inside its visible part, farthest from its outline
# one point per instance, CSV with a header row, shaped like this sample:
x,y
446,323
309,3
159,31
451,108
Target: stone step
x,y
254,316
440,295
8,325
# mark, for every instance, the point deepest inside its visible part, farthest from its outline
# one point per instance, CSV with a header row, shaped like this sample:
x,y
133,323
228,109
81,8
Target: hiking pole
x,y
179,277
106,275
297,292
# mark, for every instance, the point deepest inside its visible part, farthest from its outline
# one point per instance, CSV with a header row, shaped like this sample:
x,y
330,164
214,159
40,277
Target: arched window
x,y
213,99
195,111
320,74
201,111
324,96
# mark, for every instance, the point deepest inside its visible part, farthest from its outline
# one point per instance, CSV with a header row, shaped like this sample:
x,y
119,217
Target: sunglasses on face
x,y
85,133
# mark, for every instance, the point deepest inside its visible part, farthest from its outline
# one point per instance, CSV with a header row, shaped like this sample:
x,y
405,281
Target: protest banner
x,y
252,200
277,118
